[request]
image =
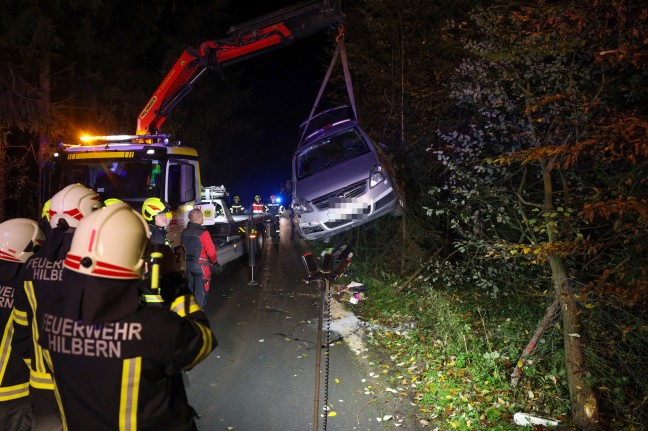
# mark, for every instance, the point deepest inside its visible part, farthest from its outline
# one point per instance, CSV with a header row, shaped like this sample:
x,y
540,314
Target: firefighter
x,y
43,275
157,213
116,362
274,208
236,207
200,254
257,206
19,239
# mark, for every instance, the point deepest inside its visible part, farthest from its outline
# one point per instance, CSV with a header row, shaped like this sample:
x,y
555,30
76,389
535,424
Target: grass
x,y
454,351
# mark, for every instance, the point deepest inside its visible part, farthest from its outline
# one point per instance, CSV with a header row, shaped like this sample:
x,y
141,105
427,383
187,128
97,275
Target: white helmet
x,y
110,243
19,239
72,204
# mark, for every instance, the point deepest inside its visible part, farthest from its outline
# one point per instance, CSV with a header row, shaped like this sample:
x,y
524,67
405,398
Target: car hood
x,y
336,177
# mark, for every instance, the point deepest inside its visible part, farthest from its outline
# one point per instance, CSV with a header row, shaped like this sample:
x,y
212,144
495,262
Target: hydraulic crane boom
x,y
245,40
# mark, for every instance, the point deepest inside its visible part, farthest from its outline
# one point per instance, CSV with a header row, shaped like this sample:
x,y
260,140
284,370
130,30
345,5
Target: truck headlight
x,y
300,205
376,176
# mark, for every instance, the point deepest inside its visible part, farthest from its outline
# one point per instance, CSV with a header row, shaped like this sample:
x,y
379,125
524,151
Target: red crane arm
x,y
247,40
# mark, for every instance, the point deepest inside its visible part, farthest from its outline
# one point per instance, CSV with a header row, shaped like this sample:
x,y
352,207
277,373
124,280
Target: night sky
x,y
285,83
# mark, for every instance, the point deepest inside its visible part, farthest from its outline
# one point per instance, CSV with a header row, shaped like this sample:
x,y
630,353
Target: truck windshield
x,y
125,180
329,152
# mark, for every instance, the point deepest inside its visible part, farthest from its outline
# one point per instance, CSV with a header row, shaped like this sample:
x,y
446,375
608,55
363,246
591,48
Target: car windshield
x,y
126,180
329,152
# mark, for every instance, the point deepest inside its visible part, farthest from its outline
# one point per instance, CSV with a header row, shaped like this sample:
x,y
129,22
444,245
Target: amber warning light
x,y
87,138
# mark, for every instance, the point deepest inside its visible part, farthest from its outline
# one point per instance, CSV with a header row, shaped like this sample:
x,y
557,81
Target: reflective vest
x,y
257,207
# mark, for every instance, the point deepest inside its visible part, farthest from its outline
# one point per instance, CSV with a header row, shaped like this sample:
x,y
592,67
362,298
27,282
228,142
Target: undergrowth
x,y
453,351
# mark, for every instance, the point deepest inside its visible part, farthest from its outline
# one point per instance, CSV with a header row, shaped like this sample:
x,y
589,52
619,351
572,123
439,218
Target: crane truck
x,y
149,163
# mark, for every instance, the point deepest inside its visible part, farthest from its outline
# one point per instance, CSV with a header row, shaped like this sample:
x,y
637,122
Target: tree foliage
x,y
550,164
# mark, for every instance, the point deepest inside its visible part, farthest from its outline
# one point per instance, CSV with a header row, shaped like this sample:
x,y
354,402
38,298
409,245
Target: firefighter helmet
x,y
153,207
72,203
236,198
111,201
257,197
110,243
19,239
45,213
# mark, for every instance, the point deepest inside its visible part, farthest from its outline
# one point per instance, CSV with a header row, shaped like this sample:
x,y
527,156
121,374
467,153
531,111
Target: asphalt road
x,y
262,374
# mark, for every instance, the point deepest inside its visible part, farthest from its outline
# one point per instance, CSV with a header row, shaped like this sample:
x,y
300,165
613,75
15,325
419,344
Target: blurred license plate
x,y
341,209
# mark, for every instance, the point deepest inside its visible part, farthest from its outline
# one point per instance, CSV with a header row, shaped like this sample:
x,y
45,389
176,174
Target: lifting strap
x,y
340,50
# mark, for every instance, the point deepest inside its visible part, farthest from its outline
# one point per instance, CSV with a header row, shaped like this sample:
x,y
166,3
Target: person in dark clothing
x,y
157,213
237,207
116,360
19,239
274,208
200,254
43,275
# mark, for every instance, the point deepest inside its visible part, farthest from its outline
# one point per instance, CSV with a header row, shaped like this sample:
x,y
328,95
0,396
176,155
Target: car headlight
x,y
300,205
376,176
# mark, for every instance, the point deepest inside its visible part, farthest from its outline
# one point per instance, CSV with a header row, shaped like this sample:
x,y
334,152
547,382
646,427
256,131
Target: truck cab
x,y
135,168
132,170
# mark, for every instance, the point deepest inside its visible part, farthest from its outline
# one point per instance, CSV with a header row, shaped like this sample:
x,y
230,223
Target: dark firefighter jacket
x,y
16,338
116,362
43,276
158,235
273,209
237,209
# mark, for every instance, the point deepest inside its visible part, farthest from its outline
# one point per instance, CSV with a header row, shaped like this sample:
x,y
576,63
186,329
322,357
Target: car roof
x,y
325,120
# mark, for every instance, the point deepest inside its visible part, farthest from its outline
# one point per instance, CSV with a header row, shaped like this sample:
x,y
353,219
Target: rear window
x,y
329,152
324,119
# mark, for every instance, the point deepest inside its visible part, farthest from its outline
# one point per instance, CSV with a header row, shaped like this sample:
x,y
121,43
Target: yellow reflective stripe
x,y
206,348
131,373
57,395
152,298
20,317
39,366
184,305
41,380
12,392
5,347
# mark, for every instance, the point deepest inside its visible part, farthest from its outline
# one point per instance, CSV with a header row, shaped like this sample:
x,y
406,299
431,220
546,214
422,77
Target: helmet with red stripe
x,y
19,239
73,203
155,206
110,243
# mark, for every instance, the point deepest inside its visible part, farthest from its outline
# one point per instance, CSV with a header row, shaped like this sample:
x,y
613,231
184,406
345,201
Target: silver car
x,y
338,181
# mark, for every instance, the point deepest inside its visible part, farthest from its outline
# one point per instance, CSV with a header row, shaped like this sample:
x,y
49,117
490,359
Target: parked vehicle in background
x,y
338,179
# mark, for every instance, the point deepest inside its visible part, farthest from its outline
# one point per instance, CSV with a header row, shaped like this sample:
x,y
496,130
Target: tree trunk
x,y
583,400
549,317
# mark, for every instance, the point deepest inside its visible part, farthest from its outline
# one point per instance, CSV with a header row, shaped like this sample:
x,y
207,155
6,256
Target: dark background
x,y
284,84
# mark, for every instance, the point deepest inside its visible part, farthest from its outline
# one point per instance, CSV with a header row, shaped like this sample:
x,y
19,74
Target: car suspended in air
x,y
338,179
